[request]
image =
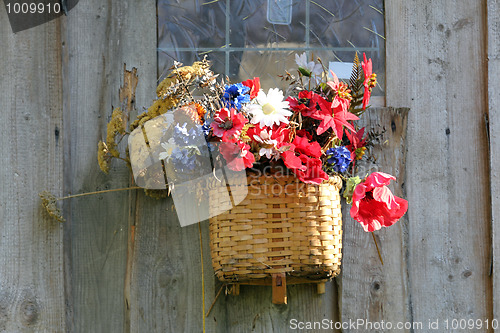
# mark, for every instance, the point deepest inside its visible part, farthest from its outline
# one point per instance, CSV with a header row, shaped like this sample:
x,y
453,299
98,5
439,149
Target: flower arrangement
x,y
309,130
307,133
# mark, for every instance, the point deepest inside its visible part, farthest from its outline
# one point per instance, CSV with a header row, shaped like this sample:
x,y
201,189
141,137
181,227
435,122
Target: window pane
x,y
350,25
246,38
250,26
267,65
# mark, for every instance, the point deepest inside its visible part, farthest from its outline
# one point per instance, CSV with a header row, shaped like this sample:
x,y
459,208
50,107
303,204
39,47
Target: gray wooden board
x,y
31,271
436,65
370,291
98,38
494,130
252,310
166,280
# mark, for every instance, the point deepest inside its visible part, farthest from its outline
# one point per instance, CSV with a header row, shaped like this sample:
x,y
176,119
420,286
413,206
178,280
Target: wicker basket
x,y
282,226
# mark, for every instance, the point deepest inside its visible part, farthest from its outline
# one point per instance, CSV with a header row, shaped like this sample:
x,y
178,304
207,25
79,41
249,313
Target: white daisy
x,y
270,109
268,144
168,146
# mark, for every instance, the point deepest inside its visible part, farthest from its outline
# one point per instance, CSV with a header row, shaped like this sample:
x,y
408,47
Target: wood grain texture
x,y
166,278
98,38
31,243
369,290
252,310
493,27
436,65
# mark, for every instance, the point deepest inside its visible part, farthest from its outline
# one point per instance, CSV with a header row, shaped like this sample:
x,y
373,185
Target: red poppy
x,y
291,161
313,174
237,154
228,123
254,86
303,146
374,205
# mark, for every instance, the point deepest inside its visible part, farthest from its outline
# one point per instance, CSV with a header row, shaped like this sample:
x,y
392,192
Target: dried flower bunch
x,y
49,203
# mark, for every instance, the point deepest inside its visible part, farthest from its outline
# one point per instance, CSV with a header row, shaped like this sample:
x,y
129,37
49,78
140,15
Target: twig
x,y
215,300
99,192
378,251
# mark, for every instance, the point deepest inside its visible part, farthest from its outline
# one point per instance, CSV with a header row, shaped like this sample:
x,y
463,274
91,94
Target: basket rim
x,y
332,179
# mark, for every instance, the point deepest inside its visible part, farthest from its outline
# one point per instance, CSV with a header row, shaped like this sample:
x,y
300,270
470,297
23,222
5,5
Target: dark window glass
x,y
246,38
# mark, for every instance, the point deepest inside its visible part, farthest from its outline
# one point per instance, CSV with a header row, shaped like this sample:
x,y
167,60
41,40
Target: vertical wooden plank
x,y
99,37
166,276
436,65
373,292
31,271
493,22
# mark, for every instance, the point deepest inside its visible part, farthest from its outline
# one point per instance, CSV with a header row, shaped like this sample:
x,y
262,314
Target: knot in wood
x,y
29,312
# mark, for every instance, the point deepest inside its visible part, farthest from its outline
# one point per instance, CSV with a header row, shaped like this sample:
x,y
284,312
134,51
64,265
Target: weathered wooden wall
x,y
31,141
380,291
437,66
98,39
121,263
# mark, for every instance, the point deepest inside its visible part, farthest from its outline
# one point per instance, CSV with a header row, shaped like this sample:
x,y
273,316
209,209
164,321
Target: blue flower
x,y
206,128
235,95
339,158
183,159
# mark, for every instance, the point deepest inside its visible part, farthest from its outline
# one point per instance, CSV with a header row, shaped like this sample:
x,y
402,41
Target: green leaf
x,y
349,188
305,72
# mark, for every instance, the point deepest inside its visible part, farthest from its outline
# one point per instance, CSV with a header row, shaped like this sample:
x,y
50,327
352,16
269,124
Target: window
x,y
247,38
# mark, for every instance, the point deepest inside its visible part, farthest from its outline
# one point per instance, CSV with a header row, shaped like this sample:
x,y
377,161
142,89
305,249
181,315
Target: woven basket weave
x,y
282,226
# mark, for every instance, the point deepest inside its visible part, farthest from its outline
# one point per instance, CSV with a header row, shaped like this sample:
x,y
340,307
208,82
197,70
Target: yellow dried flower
x,y
103,156
49,203
159,107
115,126
165,85
182,74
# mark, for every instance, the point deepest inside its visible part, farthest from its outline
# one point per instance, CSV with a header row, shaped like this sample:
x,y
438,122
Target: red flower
x,y
313,174
332,114
227,124
303,146
280,133
292,161
304,133
370,80
374,205
305,104
254,86
237,154
307,166
335,119
357,141
343,97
